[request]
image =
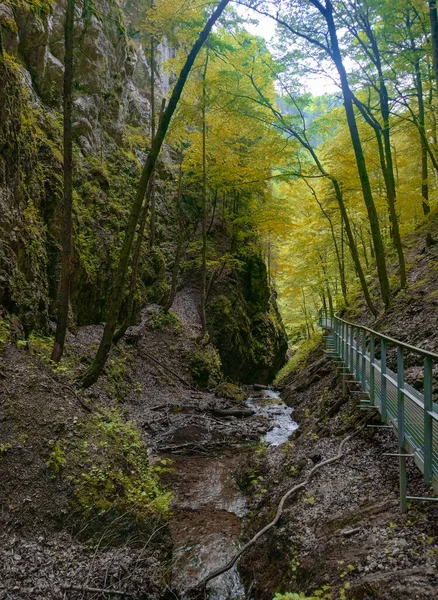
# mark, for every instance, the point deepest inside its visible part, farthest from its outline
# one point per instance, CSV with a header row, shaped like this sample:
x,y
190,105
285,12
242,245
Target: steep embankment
x,y
344,536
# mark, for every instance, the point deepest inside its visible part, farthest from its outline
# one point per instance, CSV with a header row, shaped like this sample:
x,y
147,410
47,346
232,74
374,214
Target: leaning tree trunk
x,y
129,311
152,196
116,298
63,299
358,152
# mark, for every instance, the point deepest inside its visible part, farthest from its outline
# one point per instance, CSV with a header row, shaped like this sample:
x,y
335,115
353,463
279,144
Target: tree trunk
x,y
434,29
213,214
422,126
116,298
204,201
67,216
335,245
2,52
136,255
134,270
152,201
358,152
175,270
353,247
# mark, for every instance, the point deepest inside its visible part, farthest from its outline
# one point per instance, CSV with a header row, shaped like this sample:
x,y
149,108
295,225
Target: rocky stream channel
x,y
208,505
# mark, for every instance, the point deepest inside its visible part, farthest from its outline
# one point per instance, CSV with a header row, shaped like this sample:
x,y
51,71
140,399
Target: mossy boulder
x,y
246,326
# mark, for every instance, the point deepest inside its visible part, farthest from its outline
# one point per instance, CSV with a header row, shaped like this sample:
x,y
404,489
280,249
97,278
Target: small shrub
x,y
206,367
57,460
3,449
230,391
112,478
159,320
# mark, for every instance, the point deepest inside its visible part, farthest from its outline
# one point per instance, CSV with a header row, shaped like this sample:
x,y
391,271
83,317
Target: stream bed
x,y
208,505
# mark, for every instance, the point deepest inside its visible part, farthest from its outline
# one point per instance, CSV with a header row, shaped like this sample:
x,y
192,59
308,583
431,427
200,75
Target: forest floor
x,y
41,548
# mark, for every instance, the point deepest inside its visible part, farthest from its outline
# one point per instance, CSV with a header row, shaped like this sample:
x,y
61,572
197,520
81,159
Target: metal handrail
x,y
412,414
420,351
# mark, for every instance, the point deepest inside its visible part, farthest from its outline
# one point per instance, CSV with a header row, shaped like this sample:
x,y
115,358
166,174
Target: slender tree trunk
x,y
335,245
434,29
269,259
204,200
134,271
2,52
422,125
67,216
358,152
116,298
330,299
324,303
136,256
306,316
175,270
215,200
152,201
353,247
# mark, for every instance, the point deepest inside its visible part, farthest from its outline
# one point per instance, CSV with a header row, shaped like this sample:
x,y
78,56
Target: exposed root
x,y
285,497
92,590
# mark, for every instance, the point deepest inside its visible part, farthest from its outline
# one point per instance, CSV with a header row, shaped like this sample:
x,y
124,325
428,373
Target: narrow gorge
x,y
185,188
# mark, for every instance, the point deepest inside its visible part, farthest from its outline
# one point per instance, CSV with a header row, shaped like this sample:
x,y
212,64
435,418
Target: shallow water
x,y
208,506
278,414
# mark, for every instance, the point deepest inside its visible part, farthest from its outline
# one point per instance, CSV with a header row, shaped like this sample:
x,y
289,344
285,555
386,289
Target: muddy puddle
x,y
208,506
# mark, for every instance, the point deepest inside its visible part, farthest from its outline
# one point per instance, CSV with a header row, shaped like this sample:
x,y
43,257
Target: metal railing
x,y
412,413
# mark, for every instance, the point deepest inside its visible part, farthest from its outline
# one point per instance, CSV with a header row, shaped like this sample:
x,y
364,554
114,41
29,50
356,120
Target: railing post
x,y
364,365
351,364
401,427
335,335
343,346
384,396
428,432
357,352
372,372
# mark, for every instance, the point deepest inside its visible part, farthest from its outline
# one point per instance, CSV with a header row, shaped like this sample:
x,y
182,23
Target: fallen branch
x,y
232,412
278,514
91,590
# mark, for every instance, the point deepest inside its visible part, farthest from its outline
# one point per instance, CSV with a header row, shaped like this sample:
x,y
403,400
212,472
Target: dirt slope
x,y
344,537
41,545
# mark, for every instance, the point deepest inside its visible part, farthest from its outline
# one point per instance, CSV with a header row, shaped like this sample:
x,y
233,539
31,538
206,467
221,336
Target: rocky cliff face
x,y
247,327
111,125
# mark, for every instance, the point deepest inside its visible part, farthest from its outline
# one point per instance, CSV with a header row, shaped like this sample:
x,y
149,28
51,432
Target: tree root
x,y
285,497
91,590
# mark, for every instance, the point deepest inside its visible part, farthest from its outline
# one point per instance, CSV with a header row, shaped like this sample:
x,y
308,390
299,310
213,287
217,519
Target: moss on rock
x,y
246,326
